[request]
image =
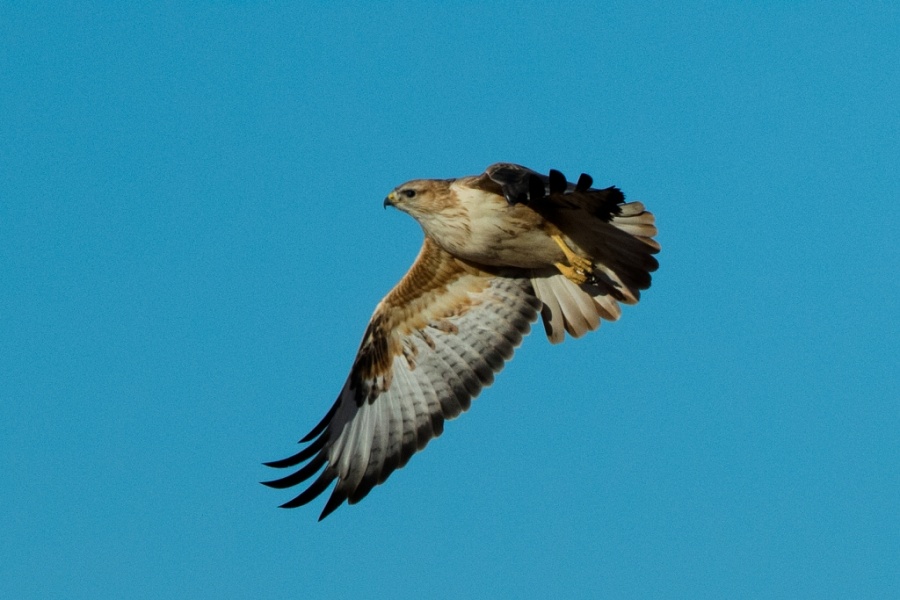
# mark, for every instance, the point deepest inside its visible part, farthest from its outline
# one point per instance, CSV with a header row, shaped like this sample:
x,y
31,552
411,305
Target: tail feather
x,y
622,252
608,308
567,308
552,313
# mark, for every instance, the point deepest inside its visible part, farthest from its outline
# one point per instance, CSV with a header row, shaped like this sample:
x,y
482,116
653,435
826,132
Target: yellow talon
x,y
579,267
574,275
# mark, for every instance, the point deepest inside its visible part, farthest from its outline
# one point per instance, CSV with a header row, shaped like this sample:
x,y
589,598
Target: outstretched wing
x,y
431,345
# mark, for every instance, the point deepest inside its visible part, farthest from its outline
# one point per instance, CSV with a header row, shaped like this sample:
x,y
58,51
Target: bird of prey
x,y
500,249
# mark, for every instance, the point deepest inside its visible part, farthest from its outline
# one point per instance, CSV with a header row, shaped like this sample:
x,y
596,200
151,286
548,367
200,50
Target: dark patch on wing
x,y
550,193
373,362
585,182
557,182
518,184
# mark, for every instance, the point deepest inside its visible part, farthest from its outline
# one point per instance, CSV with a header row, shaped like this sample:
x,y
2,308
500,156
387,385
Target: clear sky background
x,y
192,240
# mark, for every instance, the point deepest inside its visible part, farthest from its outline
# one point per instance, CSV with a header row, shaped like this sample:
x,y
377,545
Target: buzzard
x,y
500,249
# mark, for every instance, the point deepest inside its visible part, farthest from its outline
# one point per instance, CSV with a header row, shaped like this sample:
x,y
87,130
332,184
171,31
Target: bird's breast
x,y
497,233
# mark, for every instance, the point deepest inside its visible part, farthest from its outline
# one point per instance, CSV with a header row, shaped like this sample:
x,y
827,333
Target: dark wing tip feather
x,y
313,491
585,182
296,459
334,501
300,476
558,183
322,424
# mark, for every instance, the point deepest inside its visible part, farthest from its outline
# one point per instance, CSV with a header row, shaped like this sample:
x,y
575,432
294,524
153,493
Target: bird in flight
x,y
500,249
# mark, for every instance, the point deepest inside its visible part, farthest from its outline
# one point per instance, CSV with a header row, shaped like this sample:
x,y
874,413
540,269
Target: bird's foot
x,y
579,269
573,274
581,263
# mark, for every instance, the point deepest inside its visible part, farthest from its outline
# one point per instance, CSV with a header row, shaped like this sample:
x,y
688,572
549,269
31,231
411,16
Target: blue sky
x,y
192,241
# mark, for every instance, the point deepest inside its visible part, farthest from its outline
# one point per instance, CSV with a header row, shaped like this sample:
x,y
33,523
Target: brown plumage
x,y
500,248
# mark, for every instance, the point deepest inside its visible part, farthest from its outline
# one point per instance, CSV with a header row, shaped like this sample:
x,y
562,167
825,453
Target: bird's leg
x,y
579,269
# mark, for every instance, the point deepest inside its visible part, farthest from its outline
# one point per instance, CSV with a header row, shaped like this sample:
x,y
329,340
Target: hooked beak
x,y
389,201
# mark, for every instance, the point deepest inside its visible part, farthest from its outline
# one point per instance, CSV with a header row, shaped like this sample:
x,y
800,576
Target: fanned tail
x,y
621,249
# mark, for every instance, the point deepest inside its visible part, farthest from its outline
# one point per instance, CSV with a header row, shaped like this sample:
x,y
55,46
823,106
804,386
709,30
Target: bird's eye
x,y
409,193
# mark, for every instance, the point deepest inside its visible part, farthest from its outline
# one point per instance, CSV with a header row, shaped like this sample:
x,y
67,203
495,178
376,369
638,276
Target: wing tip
x,y
314,490
338,496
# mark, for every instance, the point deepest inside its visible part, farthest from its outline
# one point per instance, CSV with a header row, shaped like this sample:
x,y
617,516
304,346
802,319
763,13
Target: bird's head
x,y
433,204
423,199
412,197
